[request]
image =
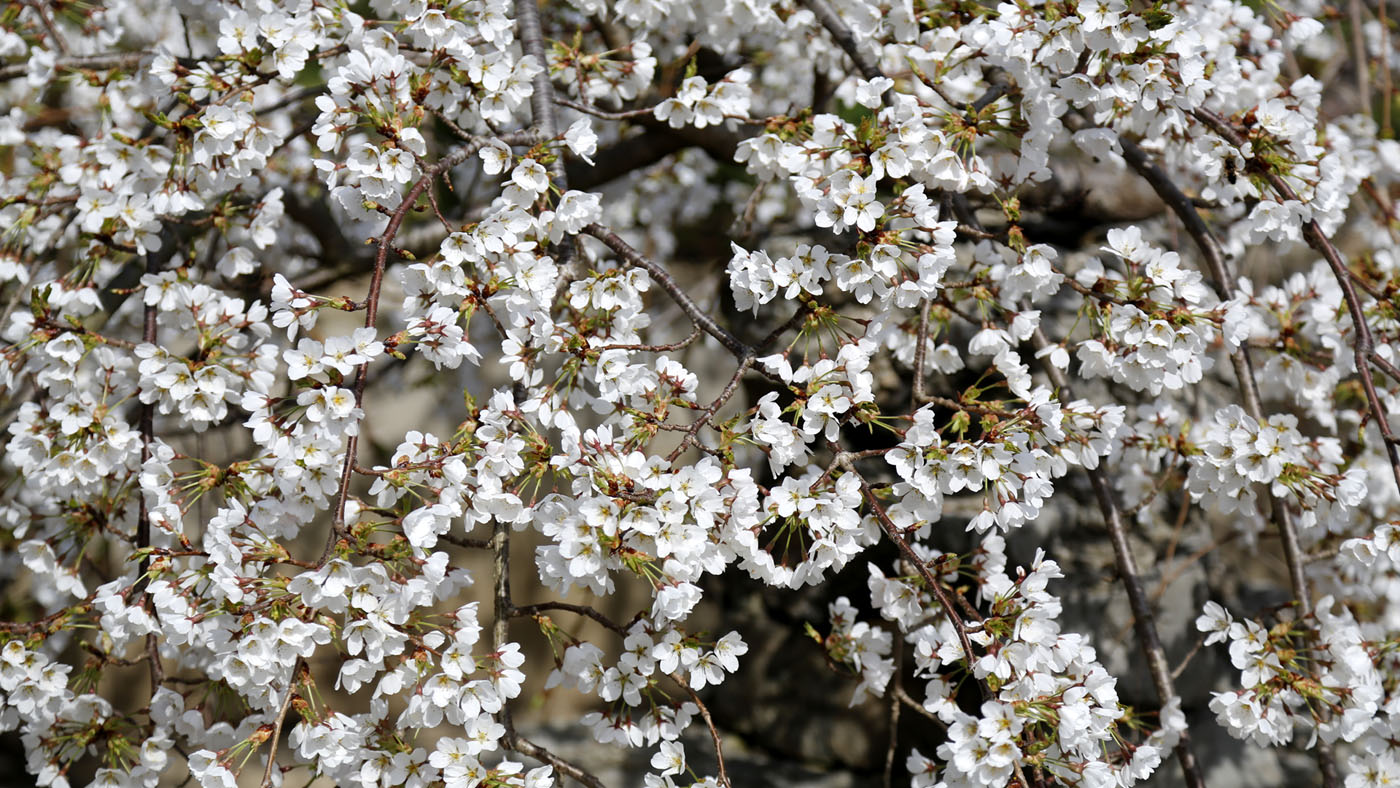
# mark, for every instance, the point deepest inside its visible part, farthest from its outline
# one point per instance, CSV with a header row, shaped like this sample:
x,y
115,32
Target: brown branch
x,y
1186,660
371,306
527,18
690,434
668,284
897,678
907,700
934,585
1360,60
464,541
589,109
528,748
921,337
1221,278
669,347
146,425
80,63
798,318
980,410
944,599
714,732
43,15
567,607
277,726
867,65
1364,344
1387,88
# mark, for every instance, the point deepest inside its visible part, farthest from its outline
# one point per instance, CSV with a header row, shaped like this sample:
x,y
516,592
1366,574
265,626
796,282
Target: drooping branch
x,y
276,734
1363,345
371,307
1144,622
714,735
945,600
1220,275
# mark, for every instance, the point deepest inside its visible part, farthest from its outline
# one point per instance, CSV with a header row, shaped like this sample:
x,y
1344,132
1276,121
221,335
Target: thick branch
x,y
527,24
844,38
639,151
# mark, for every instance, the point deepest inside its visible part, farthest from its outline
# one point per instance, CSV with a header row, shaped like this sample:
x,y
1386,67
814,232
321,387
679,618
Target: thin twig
x,y
465,541
589,109
714,734
277,726
897,680
1186,660
528,748
892,531
904,697
690,434
665,348
149,321
568,607
934,585
668,283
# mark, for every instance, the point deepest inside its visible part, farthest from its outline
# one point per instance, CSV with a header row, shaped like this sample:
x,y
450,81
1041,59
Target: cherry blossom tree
x,y
774,290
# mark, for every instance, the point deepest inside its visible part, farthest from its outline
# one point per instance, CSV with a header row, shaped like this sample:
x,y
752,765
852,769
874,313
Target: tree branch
x,y
668,283
1144,623
867,65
